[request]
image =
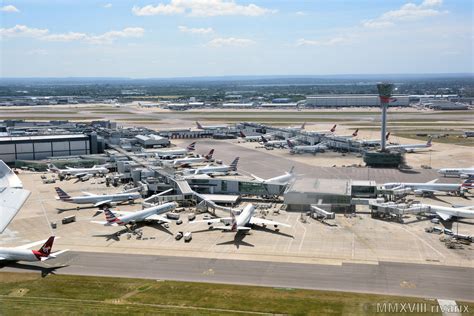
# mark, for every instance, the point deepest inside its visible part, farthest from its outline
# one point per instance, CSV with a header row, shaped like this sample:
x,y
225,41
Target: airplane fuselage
x,y
456,172
92,199
12,254
444,187
144,214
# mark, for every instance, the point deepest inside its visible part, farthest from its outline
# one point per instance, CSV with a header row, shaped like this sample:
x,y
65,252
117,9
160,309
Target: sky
x,y
188,38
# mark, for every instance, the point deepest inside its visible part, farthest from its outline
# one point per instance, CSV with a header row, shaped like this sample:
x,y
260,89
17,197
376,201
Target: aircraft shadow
x,y
160,228
45,271
271,231
114,236
237,241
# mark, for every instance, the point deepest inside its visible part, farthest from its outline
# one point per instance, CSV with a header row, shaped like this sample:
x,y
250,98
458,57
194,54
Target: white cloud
x,y
407,12
9,8
301,13
230,41
23,31
329,42
108,5
44,34
202,8
192,30
41,52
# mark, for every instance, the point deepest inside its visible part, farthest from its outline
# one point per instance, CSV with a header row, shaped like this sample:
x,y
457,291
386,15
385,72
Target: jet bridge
x,y
395,211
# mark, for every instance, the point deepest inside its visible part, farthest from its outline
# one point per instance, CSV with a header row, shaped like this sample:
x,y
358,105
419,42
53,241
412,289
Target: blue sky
x,y
183,38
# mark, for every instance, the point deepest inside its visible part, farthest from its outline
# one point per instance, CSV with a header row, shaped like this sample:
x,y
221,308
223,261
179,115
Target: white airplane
x,y
181,162
322,133
210,169
373,142
298,149
457,172
429,188
410,148
97,200
79,172
23,253
273,143
175,152
242,221
296,128
149,214
210,127
445,212
282,179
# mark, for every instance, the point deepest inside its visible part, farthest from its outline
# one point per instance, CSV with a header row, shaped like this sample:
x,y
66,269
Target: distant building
x,y
353,100
445,105
278,105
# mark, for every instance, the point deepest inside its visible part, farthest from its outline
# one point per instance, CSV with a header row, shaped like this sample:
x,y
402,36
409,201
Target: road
x,y
420,280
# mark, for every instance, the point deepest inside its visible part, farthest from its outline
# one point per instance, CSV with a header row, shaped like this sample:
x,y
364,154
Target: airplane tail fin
x,y
468,184
264,139
53,168
303,125
209,155
290,144
45,250
191,146
291,170
333,129
234,222
199,125
428,143
387,136
242,134
110,216
233,165
63,196
355,133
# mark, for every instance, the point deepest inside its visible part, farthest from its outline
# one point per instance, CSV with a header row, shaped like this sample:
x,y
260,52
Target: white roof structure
x,y
12,195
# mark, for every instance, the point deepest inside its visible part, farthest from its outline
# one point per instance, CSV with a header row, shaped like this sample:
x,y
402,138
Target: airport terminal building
x,y
356,100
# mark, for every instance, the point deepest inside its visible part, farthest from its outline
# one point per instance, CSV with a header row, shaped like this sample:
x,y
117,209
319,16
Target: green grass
x,y
27,294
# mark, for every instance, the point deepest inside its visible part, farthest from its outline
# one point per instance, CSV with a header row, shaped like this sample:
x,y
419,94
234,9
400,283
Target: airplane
x,y
282,179
446,212
273,143
242,221
332,130
296,128
373,142
410,148
23,253
79,172
321,147
187,161
149,214
429,188
175,152
457,172
209,169
97,200
210,127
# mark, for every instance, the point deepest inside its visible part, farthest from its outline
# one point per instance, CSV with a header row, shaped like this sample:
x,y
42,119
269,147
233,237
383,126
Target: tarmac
x,y
428,281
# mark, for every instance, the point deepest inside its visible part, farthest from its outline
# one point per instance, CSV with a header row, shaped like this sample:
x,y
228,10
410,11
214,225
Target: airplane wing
x,y
257,178
36,243
444,216
261,221
54,255
432,181
229,228
427,191
102,202
80,175
158,218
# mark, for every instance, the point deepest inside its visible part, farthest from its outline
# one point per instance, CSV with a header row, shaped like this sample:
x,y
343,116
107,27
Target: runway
x,y
419,280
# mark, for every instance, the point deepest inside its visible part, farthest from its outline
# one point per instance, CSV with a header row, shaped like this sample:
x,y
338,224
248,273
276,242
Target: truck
x,y
172,216
69,219
191,217
188,236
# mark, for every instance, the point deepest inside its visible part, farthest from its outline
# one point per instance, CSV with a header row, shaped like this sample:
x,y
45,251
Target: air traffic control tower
x,y
384,158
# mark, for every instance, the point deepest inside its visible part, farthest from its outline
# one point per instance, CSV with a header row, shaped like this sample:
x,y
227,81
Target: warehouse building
x,y
353,100
44,146
152,140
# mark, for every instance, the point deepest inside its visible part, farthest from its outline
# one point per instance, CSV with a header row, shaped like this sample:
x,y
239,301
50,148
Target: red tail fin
x,y
209,155
333,129
387,136
355,133
45,250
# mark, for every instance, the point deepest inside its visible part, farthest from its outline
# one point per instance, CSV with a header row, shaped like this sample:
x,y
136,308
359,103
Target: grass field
x,y
28,293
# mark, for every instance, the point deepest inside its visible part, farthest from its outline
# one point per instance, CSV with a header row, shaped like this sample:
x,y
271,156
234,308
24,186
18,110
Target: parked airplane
x,y
210,169
332,130
429,188
242,221
79,172
373,142
97,200
273,143
23,253
187,161
282,179
298,149
210,127
174,153
457,172
410,148
149,214
445,212
254,138
296,128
